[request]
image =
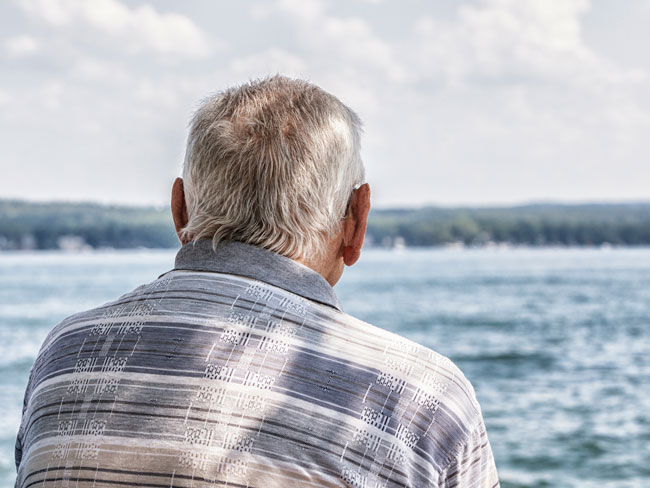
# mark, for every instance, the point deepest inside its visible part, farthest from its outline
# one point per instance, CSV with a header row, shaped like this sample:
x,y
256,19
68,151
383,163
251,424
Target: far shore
x,y
460,247
83,226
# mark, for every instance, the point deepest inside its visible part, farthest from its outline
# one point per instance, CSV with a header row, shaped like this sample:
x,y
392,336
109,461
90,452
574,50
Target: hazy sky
x,y
475,102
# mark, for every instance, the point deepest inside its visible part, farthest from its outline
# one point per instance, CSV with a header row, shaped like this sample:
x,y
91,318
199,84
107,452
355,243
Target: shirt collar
x,y
260,264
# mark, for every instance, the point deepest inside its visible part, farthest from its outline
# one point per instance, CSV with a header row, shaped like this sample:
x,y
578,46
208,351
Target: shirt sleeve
x,y
19,437
18,453
473,466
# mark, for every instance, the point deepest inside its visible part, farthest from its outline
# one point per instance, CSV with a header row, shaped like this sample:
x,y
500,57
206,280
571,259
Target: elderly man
x,y
238,368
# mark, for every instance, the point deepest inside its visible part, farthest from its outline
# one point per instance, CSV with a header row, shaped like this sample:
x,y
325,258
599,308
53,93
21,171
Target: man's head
x,y
274,163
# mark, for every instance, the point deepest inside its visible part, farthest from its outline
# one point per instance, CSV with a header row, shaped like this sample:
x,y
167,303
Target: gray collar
x,y
260,264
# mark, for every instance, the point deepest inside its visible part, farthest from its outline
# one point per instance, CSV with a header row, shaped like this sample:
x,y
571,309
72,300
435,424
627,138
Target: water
x,y
555,341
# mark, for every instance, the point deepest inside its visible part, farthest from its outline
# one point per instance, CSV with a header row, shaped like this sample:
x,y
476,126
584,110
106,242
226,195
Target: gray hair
x,y
272,163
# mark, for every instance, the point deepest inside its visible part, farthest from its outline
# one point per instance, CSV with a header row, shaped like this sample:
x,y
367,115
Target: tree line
x,y
31,225
533,225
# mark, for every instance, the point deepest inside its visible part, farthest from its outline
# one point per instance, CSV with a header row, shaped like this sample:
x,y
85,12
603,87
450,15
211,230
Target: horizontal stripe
x,y
212,377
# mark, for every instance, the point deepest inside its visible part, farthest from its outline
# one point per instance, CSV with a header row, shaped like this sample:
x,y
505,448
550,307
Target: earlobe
x,y
350,255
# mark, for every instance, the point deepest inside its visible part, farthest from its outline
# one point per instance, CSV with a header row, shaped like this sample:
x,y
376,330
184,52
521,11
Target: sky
x,y
478,102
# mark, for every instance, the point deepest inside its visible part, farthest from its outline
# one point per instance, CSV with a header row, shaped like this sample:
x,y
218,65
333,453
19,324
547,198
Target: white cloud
x,y
476,101
270,61
339,40
511,40
356,41
90,69
299,10
5,98
52,94
161,94
142,29
20,46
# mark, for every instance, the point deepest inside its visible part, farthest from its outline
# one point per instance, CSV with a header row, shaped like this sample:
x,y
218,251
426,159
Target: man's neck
x,y
330,266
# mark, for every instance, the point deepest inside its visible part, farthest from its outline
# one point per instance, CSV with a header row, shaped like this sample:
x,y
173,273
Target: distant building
x,y
399,243
70,243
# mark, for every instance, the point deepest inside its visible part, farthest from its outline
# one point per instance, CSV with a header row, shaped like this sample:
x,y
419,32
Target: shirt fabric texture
x,y
238,368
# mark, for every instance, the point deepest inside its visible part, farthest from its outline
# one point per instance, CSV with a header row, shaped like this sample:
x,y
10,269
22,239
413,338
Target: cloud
x,y
300,10
89,69
52,94
356,41
5,98
21,46
348,41
474,101
270,61
510,40
137,30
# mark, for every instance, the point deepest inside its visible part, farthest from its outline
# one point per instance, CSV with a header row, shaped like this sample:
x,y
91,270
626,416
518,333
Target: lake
x,y
555,341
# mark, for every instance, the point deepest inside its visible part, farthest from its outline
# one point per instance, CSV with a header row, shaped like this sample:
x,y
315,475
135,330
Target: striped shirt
x,y
238,368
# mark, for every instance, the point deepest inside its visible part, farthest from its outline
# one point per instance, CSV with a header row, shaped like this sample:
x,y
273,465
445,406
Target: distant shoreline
x,y
496,248
83,226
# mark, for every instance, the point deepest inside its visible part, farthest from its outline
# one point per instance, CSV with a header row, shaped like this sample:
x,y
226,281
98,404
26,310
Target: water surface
x,y
555,341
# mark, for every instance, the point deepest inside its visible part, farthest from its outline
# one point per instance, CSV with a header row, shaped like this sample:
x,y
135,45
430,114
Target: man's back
x,y
238,368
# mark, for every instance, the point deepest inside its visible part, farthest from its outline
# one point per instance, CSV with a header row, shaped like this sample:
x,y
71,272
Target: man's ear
x,y
354,226
179,209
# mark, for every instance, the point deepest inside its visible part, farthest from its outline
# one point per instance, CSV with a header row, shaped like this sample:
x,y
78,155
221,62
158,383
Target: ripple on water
x,y
555,342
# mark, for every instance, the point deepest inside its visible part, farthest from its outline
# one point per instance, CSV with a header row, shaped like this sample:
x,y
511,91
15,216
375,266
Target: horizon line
x,y
397,206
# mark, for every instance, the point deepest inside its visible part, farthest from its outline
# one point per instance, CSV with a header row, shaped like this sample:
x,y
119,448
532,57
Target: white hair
x,y
272,163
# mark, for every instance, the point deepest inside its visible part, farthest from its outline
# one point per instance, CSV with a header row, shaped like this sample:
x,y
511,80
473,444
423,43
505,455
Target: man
x,y
238,367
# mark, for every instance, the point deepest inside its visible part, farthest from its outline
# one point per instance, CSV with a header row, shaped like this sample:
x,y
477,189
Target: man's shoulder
x,y
97,316
434,380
